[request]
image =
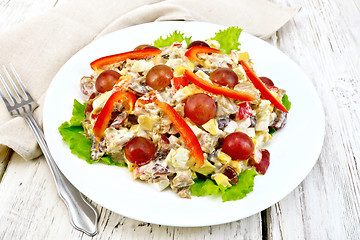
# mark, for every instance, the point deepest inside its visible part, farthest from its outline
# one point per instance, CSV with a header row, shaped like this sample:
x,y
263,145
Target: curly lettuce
x,y
72,133
204,187
175,36
228,39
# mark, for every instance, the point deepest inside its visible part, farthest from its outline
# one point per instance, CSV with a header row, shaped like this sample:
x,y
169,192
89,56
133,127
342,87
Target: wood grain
x,y
323,39
31,209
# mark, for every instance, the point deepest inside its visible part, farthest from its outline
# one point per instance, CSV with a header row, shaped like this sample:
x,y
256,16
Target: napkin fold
x,y
38,48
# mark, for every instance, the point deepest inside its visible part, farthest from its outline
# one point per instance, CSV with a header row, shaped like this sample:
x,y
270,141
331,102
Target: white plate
x,y
294,150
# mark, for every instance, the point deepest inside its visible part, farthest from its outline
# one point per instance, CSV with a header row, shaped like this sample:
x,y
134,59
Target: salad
x,y
187,115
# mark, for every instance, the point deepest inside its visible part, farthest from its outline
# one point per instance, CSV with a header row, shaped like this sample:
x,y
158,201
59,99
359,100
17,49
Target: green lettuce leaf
x,y
245,185
285,101
77,113
79,144
73,134
204,187
228,39
240,190
287,104
176,36
272,130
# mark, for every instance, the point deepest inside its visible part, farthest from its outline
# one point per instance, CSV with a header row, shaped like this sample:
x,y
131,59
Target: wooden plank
x,y
5,155
322,40
31,209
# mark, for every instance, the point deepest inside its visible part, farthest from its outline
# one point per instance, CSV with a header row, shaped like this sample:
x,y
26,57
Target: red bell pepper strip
x,y
185,131
105,115
178,82
148,98
107,60
207,86
244,112
262,88
191,53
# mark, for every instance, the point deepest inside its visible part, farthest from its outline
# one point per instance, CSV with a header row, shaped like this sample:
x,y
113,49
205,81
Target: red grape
x,y
263,165
89,107
200,108
238,146
231,174
106,80
140,151
267,81
159,77
198,43
224,77
144,46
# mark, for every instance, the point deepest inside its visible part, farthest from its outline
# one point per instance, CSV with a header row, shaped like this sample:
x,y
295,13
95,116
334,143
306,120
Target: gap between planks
x,y
5,155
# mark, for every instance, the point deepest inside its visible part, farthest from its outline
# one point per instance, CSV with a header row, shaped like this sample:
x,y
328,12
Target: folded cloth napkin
x,y
39,47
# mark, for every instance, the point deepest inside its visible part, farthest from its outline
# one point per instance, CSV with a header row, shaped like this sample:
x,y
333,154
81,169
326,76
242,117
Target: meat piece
x,y
280,120
97,149
116,139
223,122
119,120
140,90
87,85
182,179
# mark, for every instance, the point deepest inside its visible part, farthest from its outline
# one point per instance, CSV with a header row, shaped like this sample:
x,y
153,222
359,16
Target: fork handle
x,y
83,216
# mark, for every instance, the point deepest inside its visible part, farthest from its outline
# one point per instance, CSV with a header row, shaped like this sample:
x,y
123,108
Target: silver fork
x,y
83,216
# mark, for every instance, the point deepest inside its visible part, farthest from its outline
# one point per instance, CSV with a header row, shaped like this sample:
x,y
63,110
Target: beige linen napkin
x,y
38,48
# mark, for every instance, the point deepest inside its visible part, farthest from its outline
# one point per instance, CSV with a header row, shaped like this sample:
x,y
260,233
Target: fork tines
x,y
16,98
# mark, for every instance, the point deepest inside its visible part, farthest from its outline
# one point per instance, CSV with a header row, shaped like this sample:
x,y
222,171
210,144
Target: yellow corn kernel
x,y
130,166
98,71
148,122
244,56
180,69
207,64
211,127
191,66
224,158
222,180
134,128
236,166
190,90
123,71
205,169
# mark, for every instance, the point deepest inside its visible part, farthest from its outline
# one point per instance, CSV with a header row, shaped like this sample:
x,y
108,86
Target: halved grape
x,y
159,77
224,77
263,165
267,81
140,151
200,108
238,146
144,46
106,80
198,43
231,174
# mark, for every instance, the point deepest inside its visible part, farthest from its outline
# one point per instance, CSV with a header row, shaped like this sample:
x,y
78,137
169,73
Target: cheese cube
x,y
224,158
211,126
222,180
148,122
141,66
